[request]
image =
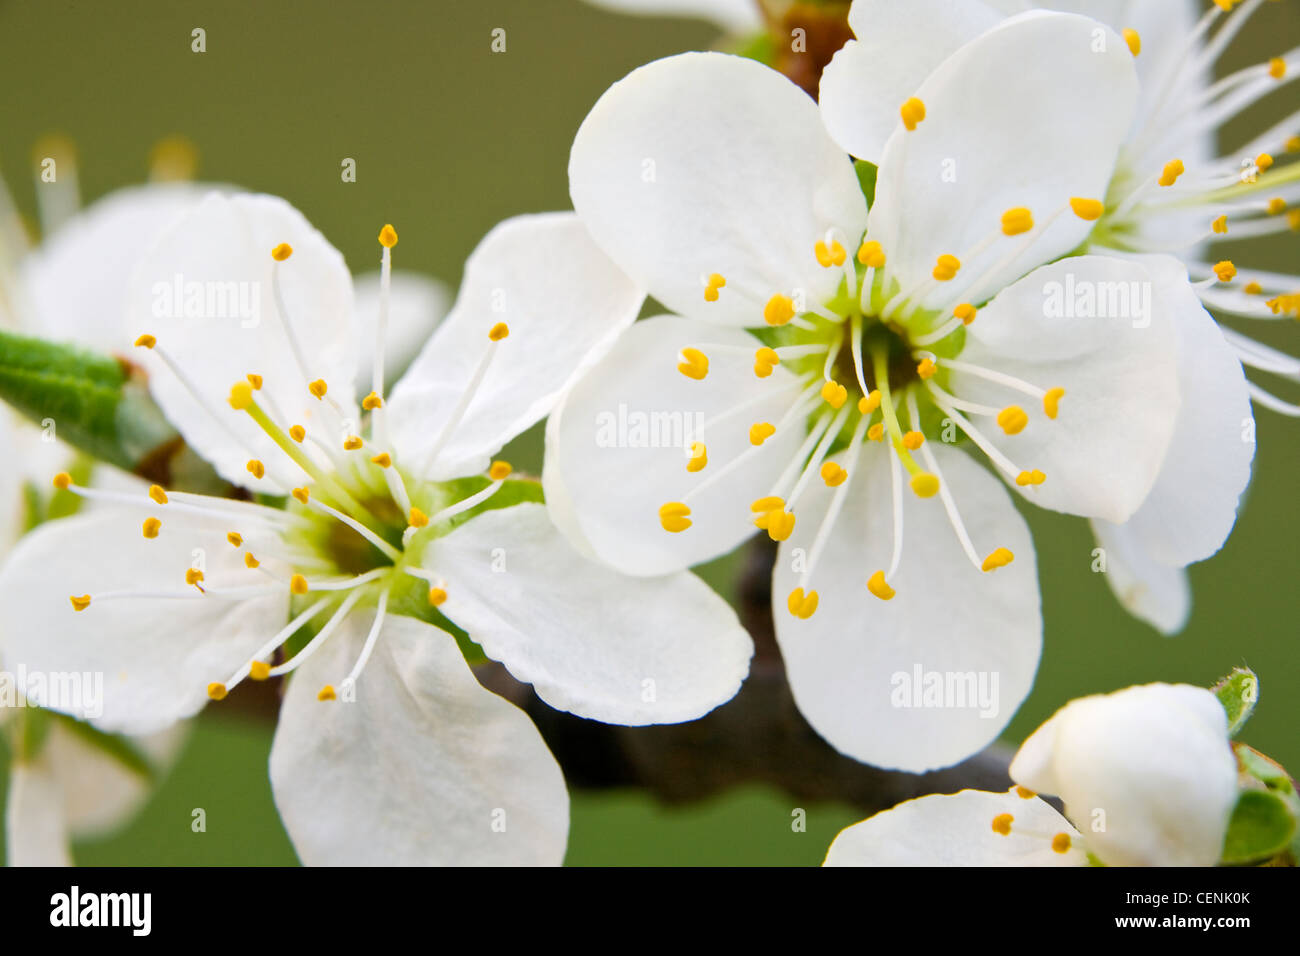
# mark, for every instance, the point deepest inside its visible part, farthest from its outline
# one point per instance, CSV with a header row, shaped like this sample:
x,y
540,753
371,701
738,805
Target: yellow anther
x,y
62,481
828,256
765,359
254,380
250,562
1034,477
802,605
388,236
966,312
326,693
437,596
151,527
1052,401
383,459
1002,824
717,281
217,691
1263,161
1293,220
1000,558
1220,225
418,519
912,112
760,432
762,506
1285,305
173,159
157,494
1225,270
80,603
835,394
870,402
235,538
259,670
779,310
878,586
1133,39
1024,793
1253,288
779,524
1061,843
833,474
281,252
926,368
924,484
352,443
1292,144
876,432
297,433
146,341
193,577
1013,419
500,470
498,332
297,584
674,516
1089,210
1276,206
710,293
241,396
699,457
1016,221
872,254
256,468
913,440
1172,170
946,267
371,402
693,363
318,388
301,494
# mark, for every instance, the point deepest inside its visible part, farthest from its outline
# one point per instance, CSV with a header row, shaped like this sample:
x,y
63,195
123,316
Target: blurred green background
x,y
449,138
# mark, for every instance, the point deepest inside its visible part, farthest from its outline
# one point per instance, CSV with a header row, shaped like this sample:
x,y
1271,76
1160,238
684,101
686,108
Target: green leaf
x,y
87,400
866,179
1261,827
1238,693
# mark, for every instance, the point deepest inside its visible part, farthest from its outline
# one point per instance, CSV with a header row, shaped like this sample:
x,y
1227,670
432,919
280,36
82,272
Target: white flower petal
x,y
74,286
897,46
416,304
35,831
101,793
424,768
863,670
1029,114
734,16
957,830
1151,764
1153,592
590,640
221,250
1193,505
156,656
564,303
706,163
618,445
1117,360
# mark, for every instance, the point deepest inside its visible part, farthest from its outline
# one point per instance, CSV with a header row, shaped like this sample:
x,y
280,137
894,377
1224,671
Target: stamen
x,y
319,640
392,553
1134,40
693,363
366,649
912,112
256,668
465,504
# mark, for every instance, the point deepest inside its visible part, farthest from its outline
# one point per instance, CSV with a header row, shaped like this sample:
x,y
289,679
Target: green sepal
x,y
119,748
867,173
1261,827
1238,693
91,401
